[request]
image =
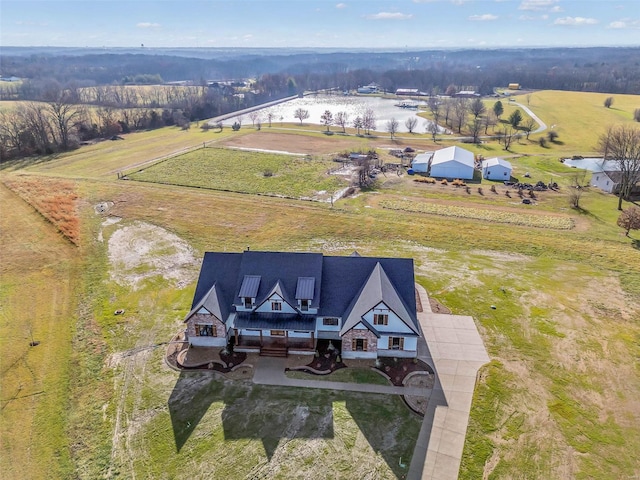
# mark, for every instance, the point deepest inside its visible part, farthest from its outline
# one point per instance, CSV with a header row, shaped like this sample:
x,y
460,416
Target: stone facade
x,y
200,318
347,340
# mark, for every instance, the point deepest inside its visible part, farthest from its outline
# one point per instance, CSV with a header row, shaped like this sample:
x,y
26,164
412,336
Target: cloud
x,y
340,6
148,25
624,23
537,4
483,18
389,16
575,21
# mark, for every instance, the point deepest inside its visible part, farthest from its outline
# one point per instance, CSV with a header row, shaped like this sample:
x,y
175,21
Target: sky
x,y
368,24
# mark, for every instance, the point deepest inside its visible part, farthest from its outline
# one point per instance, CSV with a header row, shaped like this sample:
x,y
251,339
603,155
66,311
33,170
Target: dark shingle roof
x,y
338,279
285,267
378,288
344,277
222,269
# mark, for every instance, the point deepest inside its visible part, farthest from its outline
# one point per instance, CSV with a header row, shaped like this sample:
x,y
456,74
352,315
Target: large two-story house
x,y
277,303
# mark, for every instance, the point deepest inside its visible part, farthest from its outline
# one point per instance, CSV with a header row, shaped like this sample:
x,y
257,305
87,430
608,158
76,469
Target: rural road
x,y
542,126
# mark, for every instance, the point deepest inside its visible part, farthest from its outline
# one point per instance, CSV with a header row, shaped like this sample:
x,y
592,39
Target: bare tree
x,y
358,124
369,121
528,126
474,127
576,188
460,110
392,127
411,123
621,144
253,115
477,107
505,136
13,131
301,114
37,123
432,128
327,119
342,119
489,120
63,114
447,109
270,116
629,219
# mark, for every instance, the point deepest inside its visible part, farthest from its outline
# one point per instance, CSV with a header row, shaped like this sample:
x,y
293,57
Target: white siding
x,y
410,343
295,334
359,355
266,306
394,324
602,181
497,172
452,170
331,328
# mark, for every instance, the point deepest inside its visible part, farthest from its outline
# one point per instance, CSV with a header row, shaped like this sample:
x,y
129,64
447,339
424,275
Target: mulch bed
x,y
399,368
437,307
326,362
236,358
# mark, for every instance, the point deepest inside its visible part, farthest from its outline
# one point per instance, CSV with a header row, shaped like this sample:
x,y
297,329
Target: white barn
x,y
421,162
496,169
453,162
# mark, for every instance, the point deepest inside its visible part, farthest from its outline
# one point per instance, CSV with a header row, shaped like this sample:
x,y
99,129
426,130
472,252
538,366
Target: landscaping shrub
x,y
444,181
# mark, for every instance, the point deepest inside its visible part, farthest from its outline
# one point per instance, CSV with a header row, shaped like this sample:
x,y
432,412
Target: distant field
x,y
247,172
557,310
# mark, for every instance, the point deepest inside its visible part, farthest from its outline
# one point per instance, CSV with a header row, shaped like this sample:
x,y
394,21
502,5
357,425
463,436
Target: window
x,y
359,344
248,303
205,330
304,305
330,321
277,333
396,343
380,319
276,306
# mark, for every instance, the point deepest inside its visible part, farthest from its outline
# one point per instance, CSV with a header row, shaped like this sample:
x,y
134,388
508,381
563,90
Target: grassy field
x,y
94,399
38,294
246,172
349,374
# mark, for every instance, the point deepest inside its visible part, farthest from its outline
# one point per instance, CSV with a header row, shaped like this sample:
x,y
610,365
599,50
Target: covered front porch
x,y
274,334
275,343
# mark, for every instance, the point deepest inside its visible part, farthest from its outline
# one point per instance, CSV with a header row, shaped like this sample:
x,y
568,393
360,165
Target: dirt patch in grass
x,y
141,251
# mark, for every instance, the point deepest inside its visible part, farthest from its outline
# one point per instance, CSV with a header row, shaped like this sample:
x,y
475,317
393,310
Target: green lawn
x,y
349,375
246,172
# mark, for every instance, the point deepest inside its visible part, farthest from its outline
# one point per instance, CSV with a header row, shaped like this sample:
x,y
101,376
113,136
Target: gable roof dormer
x,y
378,288
212,302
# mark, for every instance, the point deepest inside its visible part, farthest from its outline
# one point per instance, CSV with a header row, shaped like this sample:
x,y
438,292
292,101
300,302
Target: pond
x,y
384,110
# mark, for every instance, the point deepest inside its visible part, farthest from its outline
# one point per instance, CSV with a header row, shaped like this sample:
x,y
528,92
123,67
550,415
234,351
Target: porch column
x,y
260,338
313,341
235,334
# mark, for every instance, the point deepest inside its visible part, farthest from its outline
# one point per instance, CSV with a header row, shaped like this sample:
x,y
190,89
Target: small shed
x,y
453,162
421,162
496,169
